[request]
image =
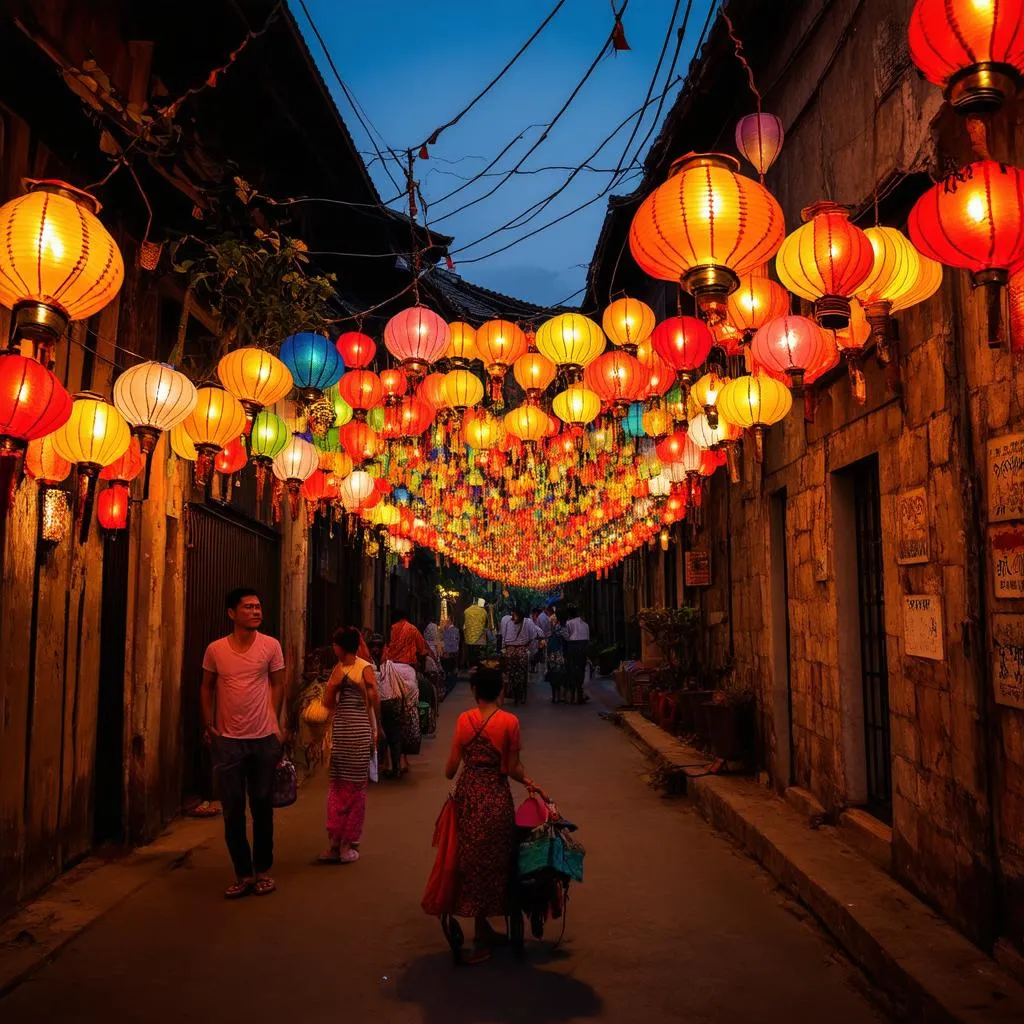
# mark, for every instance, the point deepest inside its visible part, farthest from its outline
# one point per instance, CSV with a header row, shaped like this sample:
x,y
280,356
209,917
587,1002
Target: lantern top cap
x,y
62,188
94,396
823,206
688,160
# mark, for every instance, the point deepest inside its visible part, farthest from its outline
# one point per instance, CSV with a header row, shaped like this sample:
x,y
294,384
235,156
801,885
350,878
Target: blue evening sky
x,y
412,65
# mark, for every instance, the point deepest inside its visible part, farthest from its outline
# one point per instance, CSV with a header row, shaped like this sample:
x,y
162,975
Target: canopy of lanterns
x,y
529,457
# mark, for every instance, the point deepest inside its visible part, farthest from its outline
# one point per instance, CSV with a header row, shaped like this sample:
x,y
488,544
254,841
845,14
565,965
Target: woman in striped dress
x,y
351,697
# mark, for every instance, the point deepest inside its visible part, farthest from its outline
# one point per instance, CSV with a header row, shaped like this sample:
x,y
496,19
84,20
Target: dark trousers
x,y
391,731
576,667
242,767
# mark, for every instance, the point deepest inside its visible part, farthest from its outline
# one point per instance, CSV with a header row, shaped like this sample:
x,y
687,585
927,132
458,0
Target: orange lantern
x,y
499,343
462,347
128,467
461,390
705,227
359,440
527,422
362,390
972,49
431,390
628,322
757,300
415,416
618,379
534,373
826,260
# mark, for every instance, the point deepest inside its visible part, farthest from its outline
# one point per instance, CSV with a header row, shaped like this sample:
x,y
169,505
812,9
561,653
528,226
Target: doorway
x,y
782,697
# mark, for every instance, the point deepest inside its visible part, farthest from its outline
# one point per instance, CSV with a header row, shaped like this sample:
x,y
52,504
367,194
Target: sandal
x,y
264,886
329,857
349,857
238,889
453,934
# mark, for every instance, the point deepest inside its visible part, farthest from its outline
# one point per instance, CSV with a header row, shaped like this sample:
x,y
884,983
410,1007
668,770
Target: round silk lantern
x,y
618,379
462,346
256,378
314,363
356,349
216,419
267,438
416,337
794,346
499,343
628,322
755,403
576,405
359,440
684,342
356,490
394,382
112,507
757,300
571,341
44,464
361,390
527,422
462,390
894,272
153,397
293,465
231,458
128,466
534,373
759,139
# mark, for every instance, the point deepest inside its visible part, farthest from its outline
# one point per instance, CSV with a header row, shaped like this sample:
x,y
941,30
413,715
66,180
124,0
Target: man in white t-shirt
x,y
242,695
576,655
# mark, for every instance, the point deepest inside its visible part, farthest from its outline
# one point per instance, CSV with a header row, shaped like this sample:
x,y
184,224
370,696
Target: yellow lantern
x,y
926,284
657,422
218,417
754,403
256,378
461,390
385,515
571,341
57,260
705,227
462,347
181,444
533,373
576,405
528,422
628,322
706,391
94,436
482,432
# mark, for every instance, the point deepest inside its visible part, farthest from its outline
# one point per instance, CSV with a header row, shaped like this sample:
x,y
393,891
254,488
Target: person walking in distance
x,y
242,695
576,655
474,632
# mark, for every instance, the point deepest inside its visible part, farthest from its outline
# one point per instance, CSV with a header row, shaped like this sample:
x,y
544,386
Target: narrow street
x,y
672,923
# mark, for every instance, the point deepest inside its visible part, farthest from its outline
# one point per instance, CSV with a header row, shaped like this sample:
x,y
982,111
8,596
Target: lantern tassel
x,y
994,310
84,502
858,387
619,41
732,460
11,462
759,443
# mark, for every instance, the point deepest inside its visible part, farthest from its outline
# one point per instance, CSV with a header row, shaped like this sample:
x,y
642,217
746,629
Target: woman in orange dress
x,y
475,835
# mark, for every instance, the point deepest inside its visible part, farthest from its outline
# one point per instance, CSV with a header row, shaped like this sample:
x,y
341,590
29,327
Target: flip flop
x,y
237,890
264,886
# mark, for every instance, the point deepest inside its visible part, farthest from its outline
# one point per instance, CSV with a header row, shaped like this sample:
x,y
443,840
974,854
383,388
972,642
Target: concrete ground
x,y
673,922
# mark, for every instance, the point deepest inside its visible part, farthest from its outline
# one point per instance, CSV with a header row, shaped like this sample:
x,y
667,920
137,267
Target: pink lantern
x,y
417,337
759,139
795,346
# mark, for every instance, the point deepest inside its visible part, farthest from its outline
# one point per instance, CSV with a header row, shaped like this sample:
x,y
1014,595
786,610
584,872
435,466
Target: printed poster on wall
x,y
698,569
912,527
1006,478
1008,659
1007,546
922,626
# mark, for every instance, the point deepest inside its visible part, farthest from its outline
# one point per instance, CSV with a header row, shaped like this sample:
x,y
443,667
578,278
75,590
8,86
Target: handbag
x,y
412,735
286,784
551,848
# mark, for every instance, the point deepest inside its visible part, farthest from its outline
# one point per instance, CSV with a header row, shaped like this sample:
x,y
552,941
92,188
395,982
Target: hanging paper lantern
x,y
359,440
791,345
314,363
927,283
618,379
972,49
112,507
754,403
759,139
384,515
705,436
633,421
153,397
362,390
975,222
481,431
431,390
43,463
499,344
684,342
394,383
416,337
57,260
343,412
182,445
293,465
757,300
232,458
571,341
375,418
628,322
415,415
826,260
128,466
461,390
706,226
255,377
657,421
534,373
705,393
660,486
576,405
527,422
356,349
216,418
94,436
356,491
462,346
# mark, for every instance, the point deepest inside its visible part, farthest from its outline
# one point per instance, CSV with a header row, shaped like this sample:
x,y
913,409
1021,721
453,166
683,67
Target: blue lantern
x,y
402,496
314,362
633,424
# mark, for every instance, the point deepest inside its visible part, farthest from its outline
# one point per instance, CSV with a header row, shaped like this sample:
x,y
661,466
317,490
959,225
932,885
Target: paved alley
x,y
672,923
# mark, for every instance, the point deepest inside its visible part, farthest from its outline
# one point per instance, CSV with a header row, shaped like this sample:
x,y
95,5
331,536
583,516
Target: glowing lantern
x,y
972,49
461,390
375,418
394,382
256,378
362,390
684,342
706,391
657,421
128,466
576,405
153,397
356,349
628,322
827,259
499,344
416,337
534,373
43,463
359,440
57,261
527,422
481,431
216,419
293,465
850,345
791,345
94,436
314,363
343,412
976,223
384,515
356,490
231,458
431,390
705,227
754,403
415,415
759,139
462,347
267,438
757,300
618,379
708,437
571,341
633,421
660,486
927,283
112,507
181,444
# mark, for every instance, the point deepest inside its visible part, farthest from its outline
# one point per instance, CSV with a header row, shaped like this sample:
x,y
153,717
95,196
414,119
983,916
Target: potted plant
x,y
730,721
675,632
608,660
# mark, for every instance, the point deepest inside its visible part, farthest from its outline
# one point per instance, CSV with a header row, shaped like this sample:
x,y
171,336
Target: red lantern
x,y
128,467
973,49
359,440
431,390
673,447
660,376
112,507
356,349
417,337
394,383
362,389
415,414
794,346
618,378
231,458
684,342
975,221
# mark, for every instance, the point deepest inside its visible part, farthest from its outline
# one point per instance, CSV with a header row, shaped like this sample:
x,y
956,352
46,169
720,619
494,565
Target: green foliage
x,y
675,631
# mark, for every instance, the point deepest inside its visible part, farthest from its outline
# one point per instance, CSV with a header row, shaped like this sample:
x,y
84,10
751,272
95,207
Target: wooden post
x,y
294,597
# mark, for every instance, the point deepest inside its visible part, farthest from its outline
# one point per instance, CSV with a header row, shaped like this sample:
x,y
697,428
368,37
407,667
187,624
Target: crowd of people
x,y
379,697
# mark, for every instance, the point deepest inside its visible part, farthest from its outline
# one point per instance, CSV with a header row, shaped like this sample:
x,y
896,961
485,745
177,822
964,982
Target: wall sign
x,y
698,568
1008,659
1007,545
923,626
912,527
1006,478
